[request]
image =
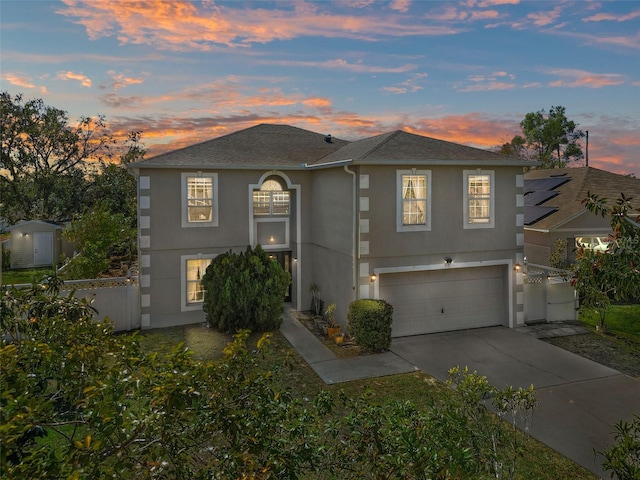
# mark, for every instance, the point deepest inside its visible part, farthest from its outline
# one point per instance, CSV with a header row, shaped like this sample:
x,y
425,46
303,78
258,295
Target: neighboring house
x,y
435,228
35,243
554,210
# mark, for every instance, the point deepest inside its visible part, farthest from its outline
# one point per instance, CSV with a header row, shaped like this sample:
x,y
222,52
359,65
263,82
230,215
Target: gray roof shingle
x,y
400,147
283,146
583,180
263,145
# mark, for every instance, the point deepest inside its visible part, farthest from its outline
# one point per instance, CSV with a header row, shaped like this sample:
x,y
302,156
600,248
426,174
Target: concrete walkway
x,y
332,369
579,400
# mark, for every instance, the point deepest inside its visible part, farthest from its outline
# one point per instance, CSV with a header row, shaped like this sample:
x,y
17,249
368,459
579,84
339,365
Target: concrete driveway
x,y
579,401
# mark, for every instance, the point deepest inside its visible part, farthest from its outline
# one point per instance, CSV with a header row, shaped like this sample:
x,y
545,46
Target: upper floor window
x,y
199,200
271,199
414,200
479,201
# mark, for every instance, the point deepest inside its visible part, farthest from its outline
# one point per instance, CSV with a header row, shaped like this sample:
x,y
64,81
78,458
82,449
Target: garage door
x,y
443,300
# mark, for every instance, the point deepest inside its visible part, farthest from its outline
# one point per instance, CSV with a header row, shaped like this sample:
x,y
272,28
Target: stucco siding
x,y
447,235
168,241
331,241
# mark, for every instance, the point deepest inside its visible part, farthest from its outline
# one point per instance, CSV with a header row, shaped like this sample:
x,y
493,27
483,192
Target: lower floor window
x,y
596,243
193,269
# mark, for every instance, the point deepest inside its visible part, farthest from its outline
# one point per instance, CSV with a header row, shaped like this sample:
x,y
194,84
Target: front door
x,y
42,248
284,259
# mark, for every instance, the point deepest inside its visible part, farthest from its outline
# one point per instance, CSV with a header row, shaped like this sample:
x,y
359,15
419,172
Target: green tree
x,y
614,274
244,291
550,138
113,186
45,159
99,234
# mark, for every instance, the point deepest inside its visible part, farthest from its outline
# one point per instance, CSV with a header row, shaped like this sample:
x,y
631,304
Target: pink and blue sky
x,y
466,71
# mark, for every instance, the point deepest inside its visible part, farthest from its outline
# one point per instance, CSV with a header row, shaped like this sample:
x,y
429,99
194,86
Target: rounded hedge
x,y
370,324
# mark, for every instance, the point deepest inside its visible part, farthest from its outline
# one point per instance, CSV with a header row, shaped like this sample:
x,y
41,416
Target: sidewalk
x,y
332,369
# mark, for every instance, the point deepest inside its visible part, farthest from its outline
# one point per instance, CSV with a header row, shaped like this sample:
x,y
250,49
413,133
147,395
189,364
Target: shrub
x,y
244,291
79,402
6,258
623,458
370,324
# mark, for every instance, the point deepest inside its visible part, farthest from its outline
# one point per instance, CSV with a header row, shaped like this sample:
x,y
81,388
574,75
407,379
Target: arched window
x,y
271,199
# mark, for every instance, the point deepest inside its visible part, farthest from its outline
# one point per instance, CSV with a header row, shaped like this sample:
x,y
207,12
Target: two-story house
x,y
433,227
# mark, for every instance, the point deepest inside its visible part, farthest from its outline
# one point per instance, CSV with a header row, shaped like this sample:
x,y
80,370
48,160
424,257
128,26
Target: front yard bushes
x,y
78,402
370,324
244,291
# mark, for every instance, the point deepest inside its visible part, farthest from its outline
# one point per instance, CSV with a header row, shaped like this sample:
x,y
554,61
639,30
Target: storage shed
x,y
35,243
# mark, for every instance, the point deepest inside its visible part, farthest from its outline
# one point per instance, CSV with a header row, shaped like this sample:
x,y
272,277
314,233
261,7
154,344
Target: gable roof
x,y
400,147
287,147
261,146
43,223
566,189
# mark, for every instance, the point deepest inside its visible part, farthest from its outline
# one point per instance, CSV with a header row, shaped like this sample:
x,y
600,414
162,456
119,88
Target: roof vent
x,y
327,138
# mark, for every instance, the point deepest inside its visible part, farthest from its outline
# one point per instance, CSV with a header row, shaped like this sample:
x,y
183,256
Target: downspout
x,y
356,227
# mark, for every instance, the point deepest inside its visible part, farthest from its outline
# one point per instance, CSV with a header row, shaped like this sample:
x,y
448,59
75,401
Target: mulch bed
x,y
346,349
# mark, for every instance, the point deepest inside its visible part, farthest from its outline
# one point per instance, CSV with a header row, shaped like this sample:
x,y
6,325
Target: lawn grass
x,y
27,275
539,463
622,320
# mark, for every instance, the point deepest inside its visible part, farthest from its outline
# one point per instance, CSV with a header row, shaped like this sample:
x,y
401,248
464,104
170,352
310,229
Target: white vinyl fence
x,y
549,295
116,298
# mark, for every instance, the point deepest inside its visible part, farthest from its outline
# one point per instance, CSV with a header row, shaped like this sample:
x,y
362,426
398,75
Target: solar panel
x,y
537,198
534,214
544,184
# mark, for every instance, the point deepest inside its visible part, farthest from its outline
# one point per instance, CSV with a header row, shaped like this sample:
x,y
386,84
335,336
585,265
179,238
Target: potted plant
x,y
333,327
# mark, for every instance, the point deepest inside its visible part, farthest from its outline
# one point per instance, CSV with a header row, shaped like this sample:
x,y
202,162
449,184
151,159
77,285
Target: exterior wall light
x,y
517,267
448,260
374,277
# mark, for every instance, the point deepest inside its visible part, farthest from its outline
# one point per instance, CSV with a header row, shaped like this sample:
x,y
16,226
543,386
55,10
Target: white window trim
x,y
492,199
183,193
184,305
399,202
274,246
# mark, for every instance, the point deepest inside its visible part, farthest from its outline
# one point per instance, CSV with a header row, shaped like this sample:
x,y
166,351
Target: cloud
x,y
613,144
84,80
395,90
628,41
411,84
115,101
601,17
341,64
18,80
181,25
580,78
400,5
487,83
120,80
542,19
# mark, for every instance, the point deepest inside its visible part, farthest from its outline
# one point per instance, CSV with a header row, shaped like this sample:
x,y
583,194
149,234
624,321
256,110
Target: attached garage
x,y
430,301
